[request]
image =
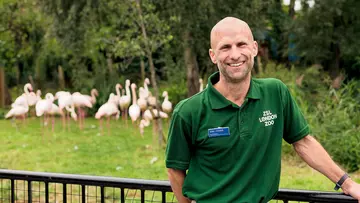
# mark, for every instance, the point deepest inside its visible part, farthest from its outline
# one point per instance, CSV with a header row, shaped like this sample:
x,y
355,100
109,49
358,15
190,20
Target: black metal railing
x,y
26,186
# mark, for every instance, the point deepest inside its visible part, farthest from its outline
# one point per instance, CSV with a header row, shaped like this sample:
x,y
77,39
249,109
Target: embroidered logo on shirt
x,y
218,132
268,118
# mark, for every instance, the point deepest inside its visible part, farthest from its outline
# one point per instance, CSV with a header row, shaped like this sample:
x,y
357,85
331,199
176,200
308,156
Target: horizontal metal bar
x,y
156,185
317,196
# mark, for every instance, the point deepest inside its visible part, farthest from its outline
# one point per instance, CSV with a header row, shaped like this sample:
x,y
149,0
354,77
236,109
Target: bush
x,y
333,115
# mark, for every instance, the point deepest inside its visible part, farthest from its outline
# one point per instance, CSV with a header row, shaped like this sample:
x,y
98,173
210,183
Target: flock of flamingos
x,y
125,104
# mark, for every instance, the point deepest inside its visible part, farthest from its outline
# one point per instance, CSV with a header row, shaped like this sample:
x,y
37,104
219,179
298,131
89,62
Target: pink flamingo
x,y
18,111
142,100
94,93
125,100
134,109
64,99
79,101
107,110
43,107
22,99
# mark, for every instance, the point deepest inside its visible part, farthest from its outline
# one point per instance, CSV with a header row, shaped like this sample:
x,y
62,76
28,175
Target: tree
x,y
22,28
327,33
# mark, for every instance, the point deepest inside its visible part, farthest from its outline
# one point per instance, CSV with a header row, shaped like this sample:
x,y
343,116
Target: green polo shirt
x,y
232,153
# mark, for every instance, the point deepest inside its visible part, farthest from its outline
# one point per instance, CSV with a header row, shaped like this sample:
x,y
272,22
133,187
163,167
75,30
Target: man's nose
x,y
235,54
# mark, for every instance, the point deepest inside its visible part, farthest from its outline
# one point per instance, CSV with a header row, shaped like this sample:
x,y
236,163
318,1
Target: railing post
x,y
122,195
102,190
64,193
83,195
142,196
29,191
163,197
46,192
12,191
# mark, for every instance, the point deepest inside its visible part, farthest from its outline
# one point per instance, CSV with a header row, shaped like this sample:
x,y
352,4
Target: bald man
x,y
224,143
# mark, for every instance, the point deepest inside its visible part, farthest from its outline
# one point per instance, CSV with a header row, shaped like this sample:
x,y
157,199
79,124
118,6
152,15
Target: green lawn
x,y
123,153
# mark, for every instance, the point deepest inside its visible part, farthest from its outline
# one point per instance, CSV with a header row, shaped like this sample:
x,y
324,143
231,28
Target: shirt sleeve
x,y
295,125
178,144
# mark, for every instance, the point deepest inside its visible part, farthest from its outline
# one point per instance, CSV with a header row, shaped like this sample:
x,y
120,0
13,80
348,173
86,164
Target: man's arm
x,y
315,156
176,178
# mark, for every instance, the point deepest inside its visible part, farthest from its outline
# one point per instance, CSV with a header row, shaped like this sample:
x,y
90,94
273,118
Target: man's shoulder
x,y
190,104
269,83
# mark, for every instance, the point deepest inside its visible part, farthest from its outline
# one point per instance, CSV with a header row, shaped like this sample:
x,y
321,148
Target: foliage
x,y
338,124
327,31
333,115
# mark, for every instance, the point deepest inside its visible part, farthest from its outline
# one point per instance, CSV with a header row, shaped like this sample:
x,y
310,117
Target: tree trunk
x,y
32,81
191,65
110,65
61,78
158,121
18,87
142,69
292,9
2,87
335,61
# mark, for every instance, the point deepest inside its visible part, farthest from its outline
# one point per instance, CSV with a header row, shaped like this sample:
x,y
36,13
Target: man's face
x,y
233,50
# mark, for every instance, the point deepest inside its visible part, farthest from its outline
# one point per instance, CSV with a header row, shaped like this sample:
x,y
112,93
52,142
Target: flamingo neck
x,y
133,95
118,91
26,90
93,95
127,90
145,86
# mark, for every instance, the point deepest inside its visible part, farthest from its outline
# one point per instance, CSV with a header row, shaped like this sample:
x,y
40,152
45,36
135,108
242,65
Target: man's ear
x,y
212,55
256,49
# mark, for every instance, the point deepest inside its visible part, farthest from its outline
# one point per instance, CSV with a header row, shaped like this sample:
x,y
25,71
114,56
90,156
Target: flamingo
x,y
107,110
146,92
166,106
201,85
71,109
125,100
94,93
22,99
64,99
43,107
149,115
151,100
134,109
142,100
143,123
79,101
118,94
55,110
17,111
33,98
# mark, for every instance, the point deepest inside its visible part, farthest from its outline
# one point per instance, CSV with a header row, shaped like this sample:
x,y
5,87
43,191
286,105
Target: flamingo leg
x,y
68,121
52,122
126,117
79,112
101,126
108,124
83,117
63,119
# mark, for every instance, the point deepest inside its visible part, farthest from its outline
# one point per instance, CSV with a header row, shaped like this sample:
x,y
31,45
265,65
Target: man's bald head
x,y
228,24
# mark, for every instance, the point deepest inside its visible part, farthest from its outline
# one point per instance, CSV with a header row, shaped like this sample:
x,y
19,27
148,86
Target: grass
x,y
123,153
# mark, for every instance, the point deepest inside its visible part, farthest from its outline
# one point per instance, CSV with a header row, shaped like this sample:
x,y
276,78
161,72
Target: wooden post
x,y
142,69
2,87
61,77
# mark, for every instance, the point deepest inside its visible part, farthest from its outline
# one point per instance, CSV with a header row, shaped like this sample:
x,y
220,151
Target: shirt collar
x,y
218,101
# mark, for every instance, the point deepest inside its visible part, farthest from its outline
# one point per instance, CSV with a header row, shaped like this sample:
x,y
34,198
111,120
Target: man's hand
x,y
351,188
